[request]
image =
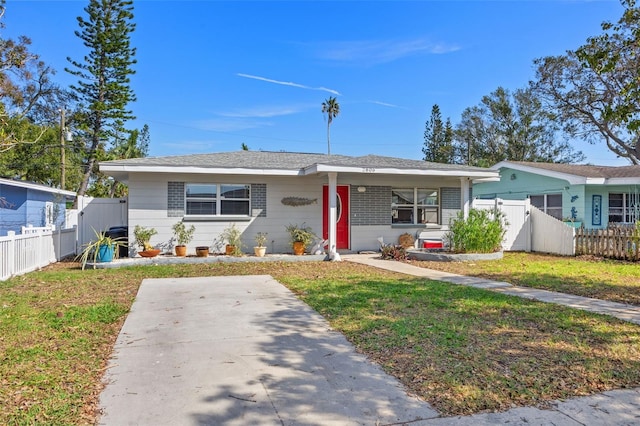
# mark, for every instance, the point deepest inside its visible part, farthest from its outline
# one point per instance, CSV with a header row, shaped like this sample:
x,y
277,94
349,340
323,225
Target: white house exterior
x,y
351,201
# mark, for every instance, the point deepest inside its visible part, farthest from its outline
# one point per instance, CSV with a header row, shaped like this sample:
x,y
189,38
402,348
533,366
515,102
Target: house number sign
x,y
596,210
368,170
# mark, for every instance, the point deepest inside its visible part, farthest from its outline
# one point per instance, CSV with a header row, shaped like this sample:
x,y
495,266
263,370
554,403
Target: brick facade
x,y
372,207
175,199
259,198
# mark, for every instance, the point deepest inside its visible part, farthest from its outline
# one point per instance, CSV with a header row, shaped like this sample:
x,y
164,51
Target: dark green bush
x,y
482,232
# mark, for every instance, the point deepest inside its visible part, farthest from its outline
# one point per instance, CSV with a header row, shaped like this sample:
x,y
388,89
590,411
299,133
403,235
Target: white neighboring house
x,y
351,201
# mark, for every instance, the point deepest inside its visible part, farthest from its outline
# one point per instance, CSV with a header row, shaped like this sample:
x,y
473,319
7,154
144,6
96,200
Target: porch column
x,y
464,196
333,209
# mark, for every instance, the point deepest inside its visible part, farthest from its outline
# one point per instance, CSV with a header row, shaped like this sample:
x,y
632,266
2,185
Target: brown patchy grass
x,y
463,350
599,278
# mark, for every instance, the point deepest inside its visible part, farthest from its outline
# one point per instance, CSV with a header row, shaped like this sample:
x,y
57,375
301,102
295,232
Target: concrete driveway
x,y
242,351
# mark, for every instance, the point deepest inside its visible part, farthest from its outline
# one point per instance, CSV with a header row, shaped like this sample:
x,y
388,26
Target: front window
x,y
414,206
210,199
624,208
551,204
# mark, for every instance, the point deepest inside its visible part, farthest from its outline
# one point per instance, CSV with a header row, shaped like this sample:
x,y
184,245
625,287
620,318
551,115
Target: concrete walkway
x,y
246,351
622,311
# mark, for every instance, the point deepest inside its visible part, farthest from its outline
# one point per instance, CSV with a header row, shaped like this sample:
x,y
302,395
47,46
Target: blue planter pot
x,y
105,253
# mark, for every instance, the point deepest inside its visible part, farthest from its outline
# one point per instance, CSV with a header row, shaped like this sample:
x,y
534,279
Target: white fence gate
x,y
550,235
99,214
530,229
518,235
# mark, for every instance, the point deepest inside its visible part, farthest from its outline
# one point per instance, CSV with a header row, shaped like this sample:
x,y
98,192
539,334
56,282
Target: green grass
x,y
467,350
463,350
598,278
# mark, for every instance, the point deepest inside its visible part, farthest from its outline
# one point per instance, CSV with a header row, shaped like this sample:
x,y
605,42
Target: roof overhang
x,y
121,172
472,174
572,179
38,187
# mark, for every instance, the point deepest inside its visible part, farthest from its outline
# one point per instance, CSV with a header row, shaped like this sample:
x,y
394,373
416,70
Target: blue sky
x,y
212,75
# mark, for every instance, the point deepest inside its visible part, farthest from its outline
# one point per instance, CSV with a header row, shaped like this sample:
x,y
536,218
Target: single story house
x,y
592,196
30,204
350,201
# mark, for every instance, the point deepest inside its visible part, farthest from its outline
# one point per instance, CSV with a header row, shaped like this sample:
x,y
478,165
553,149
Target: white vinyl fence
x,y
530,229
550,235
20,254
516,212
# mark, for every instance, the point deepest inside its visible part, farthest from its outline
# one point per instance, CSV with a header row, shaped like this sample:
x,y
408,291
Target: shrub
x,y
482,232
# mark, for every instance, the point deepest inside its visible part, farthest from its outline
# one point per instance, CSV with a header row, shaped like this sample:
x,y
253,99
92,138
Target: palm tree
x,y
332,108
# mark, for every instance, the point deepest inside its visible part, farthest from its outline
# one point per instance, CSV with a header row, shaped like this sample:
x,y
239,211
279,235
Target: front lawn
x,y
463,350
599,278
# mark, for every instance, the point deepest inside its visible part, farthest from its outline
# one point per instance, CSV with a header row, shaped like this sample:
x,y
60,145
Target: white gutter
x,y
196,170
37,187
324,168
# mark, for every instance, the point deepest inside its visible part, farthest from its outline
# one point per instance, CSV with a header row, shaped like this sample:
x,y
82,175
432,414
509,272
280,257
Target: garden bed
x,y
444,256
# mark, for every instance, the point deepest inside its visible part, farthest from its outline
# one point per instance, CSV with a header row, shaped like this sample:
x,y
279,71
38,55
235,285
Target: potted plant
x,y
300,236
232,236
261,239
202,251
103,249
183,236
143,236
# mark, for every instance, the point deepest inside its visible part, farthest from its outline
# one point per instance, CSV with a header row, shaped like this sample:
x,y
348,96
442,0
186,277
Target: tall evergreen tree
x,y
104,76
438,139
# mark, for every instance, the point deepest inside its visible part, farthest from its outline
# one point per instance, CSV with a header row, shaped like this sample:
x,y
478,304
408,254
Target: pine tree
x,y
104,76
438,139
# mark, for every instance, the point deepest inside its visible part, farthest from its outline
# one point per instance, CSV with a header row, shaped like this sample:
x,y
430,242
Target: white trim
x,y
196,170
571,178
310,170
36,187
325,168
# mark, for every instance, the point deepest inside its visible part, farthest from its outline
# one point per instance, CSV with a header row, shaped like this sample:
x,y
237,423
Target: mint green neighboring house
x,y
592,196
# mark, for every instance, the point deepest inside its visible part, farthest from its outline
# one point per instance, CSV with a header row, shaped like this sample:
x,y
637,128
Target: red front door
x,y
342,216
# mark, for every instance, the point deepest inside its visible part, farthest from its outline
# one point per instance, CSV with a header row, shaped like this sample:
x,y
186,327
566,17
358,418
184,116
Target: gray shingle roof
x,y
586,170
284,161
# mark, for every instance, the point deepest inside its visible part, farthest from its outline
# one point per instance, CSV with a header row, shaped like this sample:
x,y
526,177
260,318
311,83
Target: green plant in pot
x,y
102,249
300,236
261,240
232,235
143,239
183,236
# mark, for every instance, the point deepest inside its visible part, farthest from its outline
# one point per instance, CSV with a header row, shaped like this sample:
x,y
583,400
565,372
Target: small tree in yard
x,y
481,232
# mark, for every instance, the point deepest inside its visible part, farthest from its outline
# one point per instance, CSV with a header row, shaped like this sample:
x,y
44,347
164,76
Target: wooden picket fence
x,y
617,242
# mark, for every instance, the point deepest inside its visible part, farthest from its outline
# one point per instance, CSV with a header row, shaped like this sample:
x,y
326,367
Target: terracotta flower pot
x,y
202,251
298,248
181,250
149,253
